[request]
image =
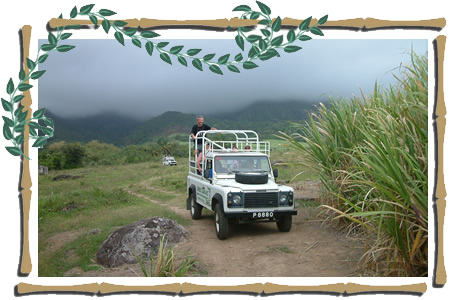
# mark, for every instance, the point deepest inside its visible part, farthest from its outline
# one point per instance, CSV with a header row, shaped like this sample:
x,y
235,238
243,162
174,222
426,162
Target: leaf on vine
x,y
93,19
42,58
239,41
86,9
22,74
8,121
264,8
290,49
242,8
223,59
106,12
136,42
73,12
7,132
305,24
19,139
33,125
255,15
276,26
316,31
162,44
19,128
10,86
40,142
269,54
253,38
215,69
182,61
33,132
249,65
106,25
304,38
192,52
119,37
37,74
291,35
262,45
30,63
209,56
197,64
7,106
64,48
233,69
149,48
165,57
49,122
265,32
323,20
14,151
253,52
65,36
149,34
39,113
46,130
24,87
264,22
18,98
238,57
120,23
277,41
176,49
48,47
131,31
52,38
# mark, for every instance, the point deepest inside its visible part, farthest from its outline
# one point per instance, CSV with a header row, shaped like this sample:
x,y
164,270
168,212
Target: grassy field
x,y
99,199
103,198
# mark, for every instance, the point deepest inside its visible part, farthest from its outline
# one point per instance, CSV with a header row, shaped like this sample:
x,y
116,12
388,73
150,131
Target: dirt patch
x,y
310,249
58,240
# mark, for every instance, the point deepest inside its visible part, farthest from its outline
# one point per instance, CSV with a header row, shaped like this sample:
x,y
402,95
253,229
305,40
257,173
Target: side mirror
x,y
275,173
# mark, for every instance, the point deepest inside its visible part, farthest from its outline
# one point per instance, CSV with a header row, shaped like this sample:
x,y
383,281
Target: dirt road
x,y
310,249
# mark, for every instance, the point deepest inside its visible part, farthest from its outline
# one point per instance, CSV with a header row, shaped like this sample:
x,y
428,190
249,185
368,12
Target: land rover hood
x,y
270,185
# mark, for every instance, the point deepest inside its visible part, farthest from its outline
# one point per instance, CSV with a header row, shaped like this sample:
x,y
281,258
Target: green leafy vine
x,y
263,46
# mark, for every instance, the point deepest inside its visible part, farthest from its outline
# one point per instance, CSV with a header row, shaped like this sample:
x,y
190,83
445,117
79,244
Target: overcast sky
x,y
102,75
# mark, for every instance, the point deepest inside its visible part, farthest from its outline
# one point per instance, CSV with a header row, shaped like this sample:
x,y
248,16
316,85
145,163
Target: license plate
x,y
267,214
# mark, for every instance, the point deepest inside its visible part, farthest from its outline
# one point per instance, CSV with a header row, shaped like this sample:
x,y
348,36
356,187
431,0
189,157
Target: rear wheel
x,y
284,223
196,209
221,223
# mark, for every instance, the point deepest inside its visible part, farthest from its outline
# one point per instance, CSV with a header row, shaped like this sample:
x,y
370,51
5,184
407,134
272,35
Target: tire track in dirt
x,y
259,250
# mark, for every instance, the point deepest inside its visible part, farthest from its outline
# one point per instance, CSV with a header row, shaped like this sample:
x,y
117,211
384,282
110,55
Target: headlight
x,y
283,198
236,200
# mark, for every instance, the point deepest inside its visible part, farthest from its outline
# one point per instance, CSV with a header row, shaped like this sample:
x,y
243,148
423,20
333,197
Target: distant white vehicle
x,y
169,161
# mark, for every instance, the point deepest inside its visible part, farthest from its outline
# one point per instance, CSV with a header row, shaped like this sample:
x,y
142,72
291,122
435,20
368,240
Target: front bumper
x,y
261,214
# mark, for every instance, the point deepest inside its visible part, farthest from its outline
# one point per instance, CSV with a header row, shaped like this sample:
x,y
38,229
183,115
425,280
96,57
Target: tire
x,y
221,223
196,209
251,177
284,223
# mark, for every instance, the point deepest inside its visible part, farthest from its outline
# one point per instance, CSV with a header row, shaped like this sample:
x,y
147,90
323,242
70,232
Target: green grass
x,y
97,200
371,154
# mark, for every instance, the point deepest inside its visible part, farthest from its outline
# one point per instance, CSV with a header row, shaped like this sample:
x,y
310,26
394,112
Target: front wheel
x,y
196,209
221,223
284,223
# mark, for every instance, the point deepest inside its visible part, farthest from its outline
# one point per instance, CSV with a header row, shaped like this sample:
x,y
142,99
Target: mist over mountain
x,y
265,117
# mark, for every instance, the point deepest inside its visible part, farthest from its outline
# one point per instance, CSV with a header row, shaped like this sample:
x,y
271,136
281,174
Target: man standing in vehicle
x,y
200,126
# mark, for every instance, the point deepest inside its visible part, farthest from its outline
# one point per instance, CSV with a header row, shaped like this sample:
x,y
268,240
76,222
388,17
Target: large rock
x,y
142,237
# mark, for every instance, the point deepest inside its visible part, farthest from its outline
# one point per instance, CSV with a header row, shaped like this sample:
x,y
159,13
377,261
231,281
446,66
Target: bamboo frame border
x,y
358,24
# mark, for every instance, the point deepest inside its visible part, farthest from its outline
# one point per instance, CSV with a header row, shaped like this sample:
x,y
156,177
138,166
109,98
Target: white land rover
x,y
234,179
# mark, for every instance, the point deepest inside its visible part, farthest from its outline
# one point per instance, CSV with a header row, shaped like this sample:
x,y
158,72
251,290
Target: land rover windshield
x,y
234,164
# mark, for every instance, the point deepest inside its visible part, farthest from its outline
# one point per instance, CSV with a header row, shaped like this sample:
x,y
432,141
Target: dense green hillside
x,y
265,117
107,127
